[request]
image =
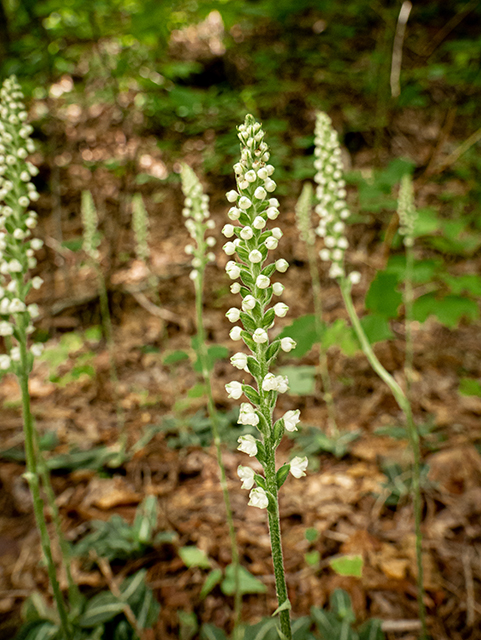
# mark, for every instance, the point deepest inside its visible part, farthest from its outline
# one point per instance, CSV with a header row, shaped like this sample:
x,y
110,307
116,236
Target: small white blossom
x,y
239,360
281,309
244,203
259,223
232,196
233,314
282,265
255,256
228,230
5,362
6,329
235,333
246,233
248,303
272,213
288,344
235,287
16,306
291,420
37,349
271,243
247,444
229,248
247,415
355,277
260,193
246,474
262,282
298,466
232,269
258,498
234,390
260,336
278,288
234,213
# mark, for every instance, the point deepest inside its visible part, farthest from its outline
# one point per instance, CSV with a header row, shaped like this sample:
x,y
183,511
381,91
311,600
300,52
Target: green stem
x,y
413,435
276,545
114,378
203,357
33,480
326,379
408,304
73,590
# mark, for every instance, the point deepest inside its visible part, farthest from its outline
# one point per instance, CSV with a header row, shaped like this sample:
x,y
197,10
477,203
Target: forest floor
x,y
345,500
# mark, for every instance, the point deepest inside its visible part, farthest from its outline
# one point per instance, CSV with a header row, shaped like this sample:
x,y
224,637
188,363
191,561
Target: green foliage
x,y
398,486
115,539
470,387
337,623
69,361
196,430
194,557
311,441
382,297
349,565
101,616
302,379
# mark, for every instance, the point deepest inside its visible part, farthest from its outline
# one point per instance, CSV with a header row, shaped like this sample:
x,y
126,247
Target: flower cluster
x,y
406,210
140,227
17,247
250,242
331,197
196,212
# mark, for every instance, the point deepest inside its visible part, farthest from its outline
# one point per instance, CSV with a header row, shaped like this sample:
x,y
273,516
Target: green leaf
x,y
209,632
251,394
101,608
371,630
470,387
376,328
468,283
197,391
448,310
382,297
260,481
285,606
273,349
248,341
349,565
194,557
281,475
266,629
247,582
176,356
312,535
312,558
302,379
340,602
253,366
213,579
249,324
268,319
339,334
303,331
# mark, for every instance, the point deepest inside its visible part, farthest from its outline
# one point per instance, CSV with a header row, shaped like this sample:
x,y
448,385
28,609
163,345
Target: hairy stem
x,y
33,481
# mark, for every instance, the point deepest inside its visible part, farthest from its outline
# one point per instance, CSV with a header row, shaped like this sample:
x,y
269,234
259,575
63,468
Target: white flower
x,y
234,213
291,419
23,201
270,185
269,383
336,271
194,274
330,242
278,288
355,277
189,249
37,349
250,176
229,248
6,329
247,444
233,314
255,256
37,282
246,474
15,354
16,306
36,244
235,287
33,310
260,336
248,303
277,233
244,203
325,255
298,466
262,173
282,265
232,196
5,362
239,360
262,282
14,266
282,384
271,243
288,344
235,333
280,309
258,498
247,415
342,243
272,213
232,269
259,222
234,390
246,233
260,193
228,230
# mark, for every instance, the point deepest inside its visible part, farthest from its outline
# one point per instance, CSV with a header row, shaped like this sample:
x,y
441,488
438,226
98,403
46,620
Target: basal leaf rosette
x,y
249,243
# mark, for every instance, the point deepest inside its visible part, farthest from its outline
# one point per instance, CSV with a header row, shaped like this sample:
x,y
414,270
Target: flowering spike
x,y
91,238
140,226
406,210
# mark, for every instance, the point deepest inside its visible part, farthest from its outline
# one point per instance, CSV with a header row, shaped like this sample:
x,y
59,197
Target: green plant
x,y
252,241
337,623
333,213
198,222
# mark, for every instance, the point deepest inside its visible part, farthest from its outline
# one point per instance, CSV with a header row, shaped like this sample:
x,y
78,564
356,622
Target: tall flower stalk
x,y
333,213
252,209
17,248
303,218
198,223
91,242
